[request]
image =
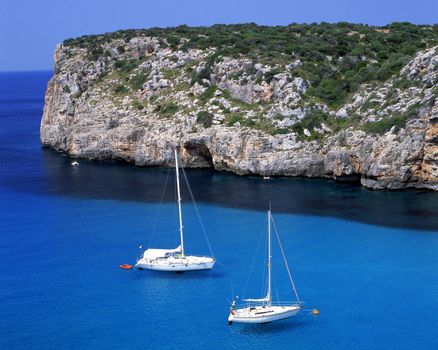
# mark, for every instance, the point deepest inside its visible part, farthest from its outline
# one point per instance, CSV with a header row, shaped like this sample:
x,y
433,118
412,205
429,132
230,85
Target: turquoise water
x,y
368,261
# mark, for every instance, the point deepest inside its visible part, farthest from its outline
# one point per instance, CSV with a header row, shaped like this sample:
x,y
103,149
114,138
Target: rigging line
x,y
204,232
176,237
265,269
254,258
285,262
159,208
223,265
276,290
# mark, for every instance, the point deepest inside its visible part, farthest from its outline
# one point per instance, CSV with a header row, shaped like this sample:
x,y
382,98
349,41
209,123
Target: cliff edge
x,y
302,100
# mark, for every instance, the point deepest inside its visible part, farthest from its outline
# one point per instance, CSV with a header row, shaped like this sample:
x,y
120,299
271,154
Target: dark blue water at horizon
x,y
367,260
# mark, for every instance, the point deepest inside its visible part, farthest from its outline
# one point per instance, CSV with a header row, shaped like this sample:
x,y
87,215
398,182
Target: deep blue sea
x,y
367,260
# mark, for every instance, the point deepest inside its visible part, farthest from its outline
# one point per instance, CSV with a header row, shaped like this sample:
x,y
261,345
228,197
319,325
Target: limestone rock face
x,y
97,110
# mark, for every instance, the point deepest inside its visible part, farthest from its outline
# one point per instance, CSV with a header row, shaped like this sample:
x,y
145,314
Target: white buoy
x,y
75,163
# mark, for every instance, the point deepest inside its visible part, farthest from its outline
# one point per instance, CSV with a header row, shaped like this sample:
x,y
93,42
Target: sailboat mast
x,y
179,203
269,257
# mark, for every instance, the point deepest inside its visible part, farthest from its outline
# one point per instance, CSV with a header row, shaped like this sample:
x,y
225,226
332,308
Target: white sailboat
x,y
264,310
174,259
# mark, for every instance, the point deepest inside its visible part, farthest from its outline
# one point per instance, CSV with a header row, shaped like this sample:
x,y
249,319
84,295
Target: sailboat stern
x,y
231,316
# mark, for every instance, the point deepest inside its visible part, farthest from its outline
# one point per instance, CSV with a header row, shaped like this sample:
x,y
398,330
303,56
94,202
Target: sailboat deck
x,y
177,263
263,314
262,311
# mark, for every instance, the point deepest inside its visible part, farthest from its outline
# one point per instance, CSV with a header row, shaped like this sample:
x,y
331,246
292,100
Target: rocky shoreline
x,y
239,118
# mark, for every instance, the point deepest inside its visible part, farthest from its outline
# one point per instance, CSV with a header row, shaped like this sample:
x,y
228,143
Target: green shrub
x,y
232,119
95,52
370,103
170,73
136,82
137,105
208,93
205,72
120,89
205,119
403,83
265,126
313,118
316,117
281,131
332,91
392,66
384,125
126,66
248,122
167,109
198,77
173,41
412,111
270,75
337,124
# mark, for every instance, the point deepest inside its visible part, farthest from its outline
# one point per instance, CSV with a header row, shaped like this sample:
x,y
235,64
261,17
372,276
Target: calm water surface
x,y
367,260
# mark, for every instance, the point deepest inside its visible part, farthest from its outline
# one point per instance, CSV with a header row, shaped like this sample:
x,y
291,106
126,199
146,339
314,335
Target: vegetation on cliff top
x,y
336,58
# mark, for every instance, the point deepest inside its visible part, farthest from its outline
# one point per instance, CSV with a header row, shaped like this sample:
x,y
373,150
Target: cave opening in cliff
x,y
353,178
199,154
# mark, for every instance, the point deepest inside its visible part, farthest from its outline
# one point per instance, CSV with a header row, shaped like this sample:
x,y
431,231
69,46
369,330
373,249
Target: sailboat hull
x,y
262,314
188,263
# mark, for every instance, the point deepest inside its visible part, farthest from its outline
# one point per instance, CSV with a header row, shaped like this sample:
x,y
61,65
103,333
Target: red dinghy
x,y
125,266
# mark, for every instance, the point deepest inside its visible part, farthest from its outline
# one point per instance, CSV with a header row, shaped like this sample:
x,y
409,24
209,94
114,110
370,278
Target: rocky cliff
x,y
264,110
